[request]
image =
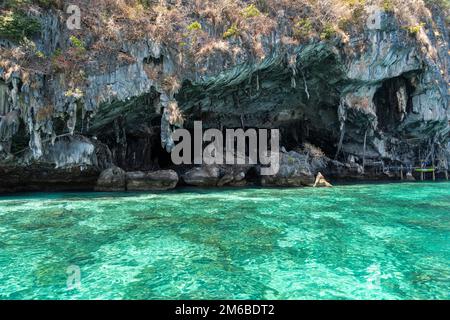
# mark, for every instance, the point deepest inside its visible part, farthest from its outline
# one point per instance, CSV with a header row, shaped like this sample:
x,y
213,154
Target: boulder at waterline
x,y
207,176
295,171
152,181
321,182
112,179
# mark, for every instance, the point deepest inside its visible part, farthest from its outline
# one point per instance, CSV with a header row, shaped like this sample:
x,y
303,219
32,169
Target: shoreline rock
x,y
206,176
112,180
295,171
321,182
152,181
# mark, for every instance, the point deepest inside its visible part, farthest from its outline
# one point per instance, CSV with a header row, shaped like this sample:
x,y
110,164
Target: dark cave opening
x,y
267,101
393,100
139,149
20,141
300,119
146,153
296,133
132,133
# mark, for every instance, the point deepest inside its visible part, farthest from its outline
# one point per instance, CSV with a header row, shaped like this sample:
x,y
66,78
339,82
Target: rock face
x,y
295,171
217,176
116,179
339,170
233,179
202,177
112,179
377,95
46,178
152,181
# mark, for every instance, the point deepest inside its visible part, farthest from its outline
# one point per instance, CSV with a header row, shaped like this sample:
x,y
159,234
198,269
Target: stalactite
x,y
171,118
72,122
36,144
4,99
292,63
14,92
342,115
9,126
364,151
166,132
305,84
402,100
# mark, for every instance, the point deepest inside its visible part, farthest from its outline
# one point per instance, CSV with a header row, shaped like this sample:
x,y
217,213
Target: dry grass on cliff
x,y
243,21
200,29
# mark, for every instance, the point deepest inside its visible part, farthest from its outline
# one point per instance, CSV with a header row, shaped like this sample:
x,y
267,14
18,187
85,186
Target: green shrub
x,y
194,26
232,31
17,25
328,32
57,53
302,28
78,44
145,3
47,4
250,12
414,30
291,160
40,54
388,6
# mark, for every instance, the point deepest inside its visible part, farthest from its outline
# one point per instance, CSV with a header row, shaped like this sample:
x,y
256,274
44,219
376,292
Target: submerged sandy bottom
x,y
352,242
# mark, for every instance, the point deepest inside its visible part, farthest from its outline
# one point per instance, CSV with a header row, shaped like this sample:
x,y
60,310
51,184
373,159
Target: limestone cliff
x,y
365,83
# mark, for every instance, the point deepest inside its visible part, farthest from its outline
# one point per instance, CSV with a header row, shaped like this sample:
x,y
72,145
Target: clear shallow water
x,y
387,241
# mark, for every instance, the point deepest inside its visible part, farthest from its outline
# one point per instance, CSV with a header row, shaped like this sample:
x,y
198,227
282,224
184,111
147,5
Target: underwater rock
x,y
112,179
152,181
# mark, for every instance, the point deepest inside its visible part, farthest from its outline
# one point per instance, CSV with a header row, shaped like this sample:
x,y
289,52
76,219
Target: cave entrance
x,y
296,133
132,131
393,101
143,149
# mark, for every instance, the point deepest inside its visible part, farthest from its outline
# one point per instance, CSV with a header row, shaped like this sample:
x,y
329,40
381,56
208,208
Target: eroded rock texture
x,y
147,181
370,102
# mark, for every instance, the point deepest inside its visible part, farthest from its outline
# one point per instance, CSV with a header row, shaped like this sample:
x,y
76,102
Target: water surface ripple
x,y
377,241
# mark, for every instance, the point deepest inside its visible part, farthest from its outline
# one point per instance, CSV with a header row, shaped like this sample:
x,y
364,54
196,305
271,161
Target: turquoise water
x,y
386,241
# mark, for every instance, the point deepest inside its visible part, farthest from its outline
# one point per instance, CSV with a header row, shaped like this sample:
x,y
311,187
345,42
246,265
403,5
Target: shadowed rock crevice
x,y
393,101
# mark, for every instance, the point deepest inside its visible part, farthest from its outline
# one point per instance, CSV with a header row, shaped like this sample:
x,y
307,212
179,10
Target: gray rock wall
x,y
379,97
